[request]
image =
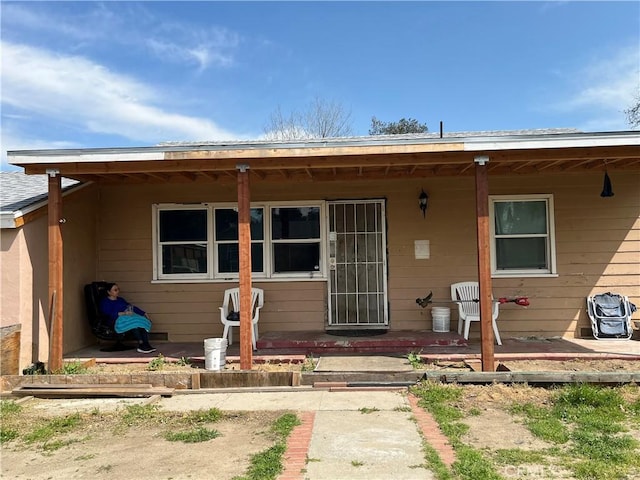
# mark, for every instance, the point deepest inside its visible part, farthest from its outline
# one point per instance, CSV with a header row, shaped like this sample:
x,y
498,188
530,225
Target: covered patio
x,y
453,241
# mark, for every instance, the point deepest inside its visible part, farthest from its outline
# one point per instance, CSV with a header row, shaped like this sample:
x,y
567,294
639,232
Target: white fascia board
x,y
614,140
20,158
8,218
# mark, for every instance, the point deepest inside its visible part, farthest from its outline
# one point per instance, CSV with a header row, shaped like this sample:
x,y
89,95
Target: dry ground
x,y
576,365
103,449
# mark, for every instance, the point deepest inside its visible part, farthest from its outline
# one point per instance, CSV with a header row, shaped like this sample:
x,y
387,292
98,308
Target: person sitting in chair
x,y
127,317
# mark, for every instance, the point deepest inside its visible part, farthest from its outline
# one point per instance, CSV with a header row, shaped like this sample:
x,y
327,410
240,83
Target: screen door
x,y
357,264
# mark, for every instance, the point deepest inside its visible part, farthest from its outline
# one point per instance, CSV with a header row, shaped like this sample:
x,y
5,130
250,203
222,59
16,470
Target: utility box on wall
x,y
422,250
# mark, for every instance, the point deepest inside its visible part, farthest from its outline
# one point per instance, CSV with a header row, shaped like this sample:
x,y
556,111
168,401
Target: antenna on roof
x,y
441,128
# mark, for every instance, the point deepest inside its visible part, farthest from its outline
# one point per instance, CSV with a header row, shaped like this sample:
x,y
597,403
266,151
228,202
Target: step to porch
x,y
321,342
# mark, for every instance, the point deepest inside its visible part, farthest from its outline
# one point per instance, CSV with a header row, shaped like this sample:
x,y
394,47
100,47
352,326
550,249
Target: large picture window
x,y
522,232
202,242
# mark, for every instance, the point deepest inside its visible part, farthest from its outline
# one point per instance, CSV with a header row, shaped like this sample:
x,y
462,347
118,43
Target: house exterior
x,y
24,261
335,233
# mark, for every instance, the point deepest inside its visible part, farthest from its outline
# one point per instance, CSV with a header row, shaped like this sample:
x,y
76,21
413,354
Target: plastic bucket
x,y
215,353
441,318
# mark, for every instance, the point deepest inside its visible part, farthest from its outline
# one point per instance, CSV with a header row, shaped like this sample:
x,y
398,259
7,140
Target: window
x,y
522,242
182,242
226,240
295,235
201,242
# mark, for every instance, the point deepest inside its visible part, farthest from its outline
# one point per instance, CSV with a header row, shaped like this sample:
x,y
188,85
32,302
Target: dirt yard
x,y
104,446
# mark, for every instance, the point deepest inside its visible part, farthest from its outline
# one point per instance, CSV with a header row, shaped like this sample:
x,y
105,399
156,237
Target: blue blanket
x,y
124,323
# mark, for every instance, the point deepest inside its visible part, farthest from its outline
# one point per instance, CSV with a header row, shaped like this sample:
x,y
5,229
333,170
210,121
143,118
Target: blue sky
x,y
115,74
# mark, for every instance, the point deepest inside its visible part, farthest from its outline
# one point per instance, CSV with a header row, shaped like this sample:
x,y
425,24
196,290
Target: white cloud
x,y
603,89
75,90
130,25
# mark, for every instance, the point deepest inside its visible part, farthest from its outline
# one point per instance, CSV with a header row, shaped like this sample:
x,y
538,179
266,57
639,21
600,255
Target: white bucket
x,y
441,317
215,353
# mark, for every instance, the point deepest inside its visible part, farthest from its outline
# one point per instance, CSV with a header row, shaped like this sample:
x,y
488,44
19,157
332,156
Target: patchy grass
x,y
53,427
199,434
267,464
585,427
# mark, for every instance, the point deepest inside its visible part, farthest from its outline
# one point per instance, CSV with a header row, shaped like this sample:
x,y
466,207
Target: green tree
x,y
320,119
404,125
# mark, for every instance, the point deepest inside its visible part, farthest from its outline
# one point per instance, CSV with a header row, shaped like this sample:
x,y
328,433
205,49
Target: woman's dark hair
x,y
108,286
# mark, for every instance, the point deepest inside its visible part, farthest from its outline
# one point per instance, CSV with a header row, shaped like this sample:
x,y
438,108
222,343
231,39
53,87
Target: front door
x,y
357,265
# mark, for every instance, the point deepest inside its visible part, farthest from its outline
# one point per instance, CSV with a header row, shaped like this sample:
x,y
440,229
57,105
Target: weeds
x,y
137,414
415,360
267,465
309,364
184,362
72,368
199,434
9,407
368,409
211,415
589,420
157,363
53,427
583,423
7,434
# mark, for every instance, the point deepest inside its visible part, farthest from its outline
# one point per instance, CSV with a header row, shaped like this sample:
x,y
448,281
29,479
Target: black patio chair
x,y
94,292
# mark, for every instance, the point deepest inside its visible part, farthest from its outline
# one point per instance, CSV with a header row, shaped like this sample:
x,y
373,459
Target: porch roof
x,y
349,158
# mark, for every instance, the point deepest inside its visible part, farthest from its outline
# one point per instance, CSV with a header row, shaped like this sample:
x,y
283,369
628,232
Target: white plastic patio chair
x,y
467,296
231,303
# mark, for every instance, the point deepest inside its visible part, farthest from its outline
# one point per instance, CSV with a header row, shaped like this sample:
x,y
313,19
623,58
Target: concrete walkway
x,y
345,435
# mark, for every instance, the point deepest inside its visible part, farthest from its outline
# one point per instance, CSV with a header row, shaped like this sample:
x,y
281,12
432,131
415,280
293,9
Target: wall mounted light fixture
x,y
423,200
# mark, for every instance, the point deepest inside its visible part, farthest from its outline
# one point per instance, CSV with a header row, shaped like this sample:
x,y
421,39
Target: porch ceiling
x,y
326,162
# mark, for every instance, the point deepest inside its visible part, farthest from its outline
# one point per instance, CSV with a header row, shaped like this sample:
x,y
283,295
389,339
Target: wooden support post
x,y
244,247
56,318
484,265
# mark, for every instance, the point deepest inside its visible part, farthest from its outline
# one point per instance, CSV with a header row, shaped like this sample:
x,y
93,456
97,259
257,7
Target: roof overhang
x,y
17,218
341,159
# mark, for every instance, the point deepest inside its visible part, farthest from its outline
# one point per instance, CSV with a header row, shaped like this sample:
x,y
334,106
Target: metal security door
x,y
357,265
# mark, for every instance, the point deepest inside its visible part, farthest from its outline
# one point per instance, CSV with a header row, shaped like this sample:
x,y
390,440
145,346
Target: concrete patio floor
x,y
454,349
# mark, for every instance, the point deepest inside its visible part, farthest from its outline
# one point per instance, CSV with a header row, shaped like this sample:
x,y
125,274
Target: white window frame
x,y
213,275
215,242
321,273
551,270
157,246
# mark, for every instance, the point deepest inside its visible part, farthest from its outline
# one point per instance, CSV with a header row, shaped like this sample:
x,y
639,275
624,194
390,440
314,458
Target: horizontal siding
x,y
597,244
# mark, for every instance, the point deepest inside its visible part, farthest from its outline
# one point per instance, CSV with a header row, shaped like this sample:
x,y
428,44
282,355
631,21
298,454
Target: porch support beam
x,y
484,264
56,319
244,246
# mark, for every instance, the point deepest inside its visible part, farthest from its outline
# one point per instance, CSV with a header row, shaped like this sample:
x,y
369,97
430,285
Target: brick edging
x,y
432,433
298,443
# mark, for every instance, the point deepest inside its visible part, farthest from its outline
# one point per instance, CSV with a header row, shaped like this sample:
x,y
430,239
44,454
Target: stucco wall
x,y
24,287
25,276
597,240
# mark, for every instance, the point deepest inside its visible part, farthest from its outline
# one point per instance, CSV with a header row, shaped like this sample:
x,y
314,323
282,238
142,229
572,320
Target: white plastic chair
x,y
231,303
467,296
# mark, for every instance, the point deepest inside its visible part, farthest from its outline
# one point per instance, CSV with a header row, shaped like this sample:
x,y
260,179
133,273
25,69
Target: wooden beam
x,y
244,247
484,265
56,294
